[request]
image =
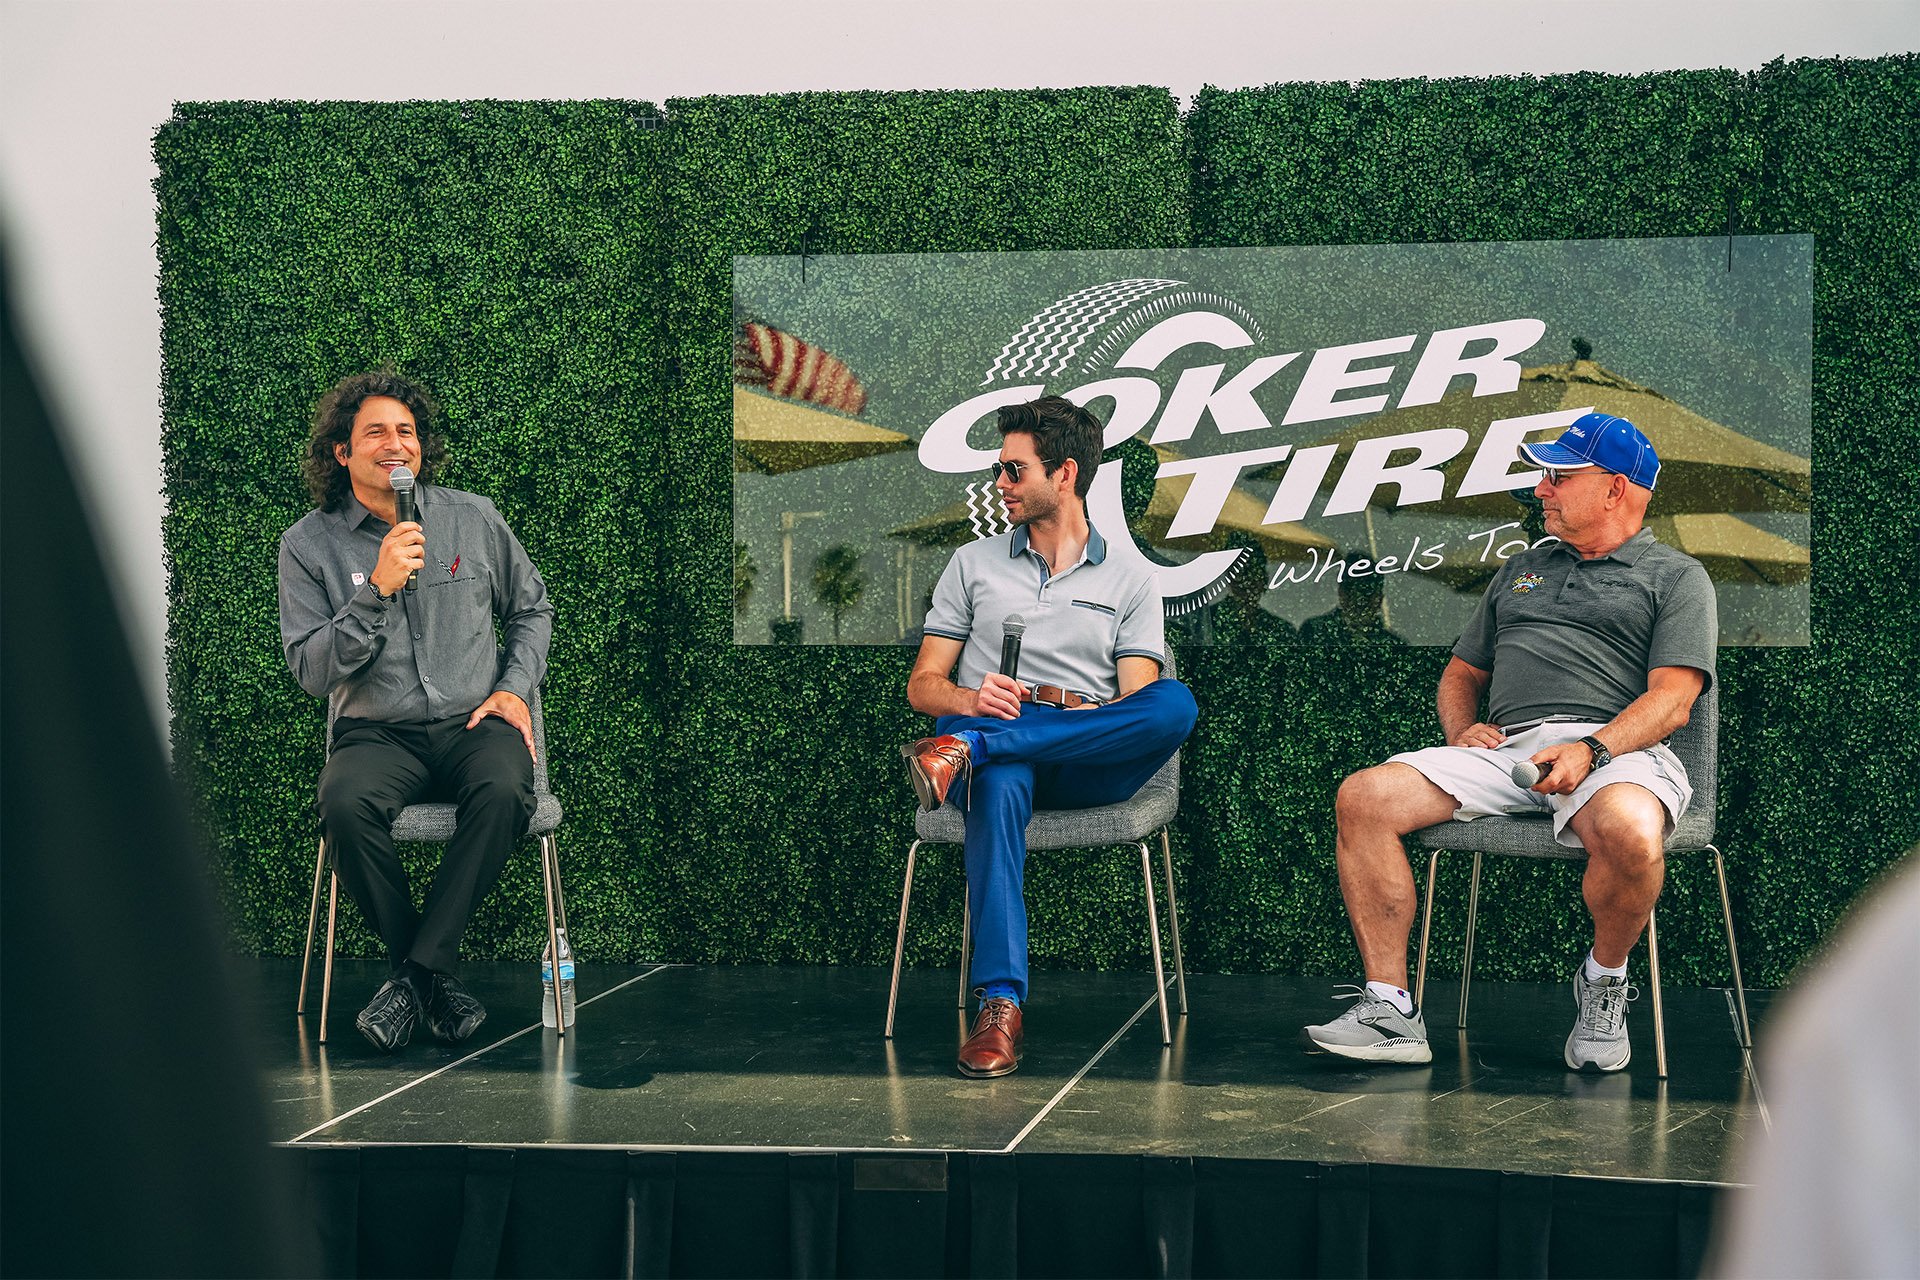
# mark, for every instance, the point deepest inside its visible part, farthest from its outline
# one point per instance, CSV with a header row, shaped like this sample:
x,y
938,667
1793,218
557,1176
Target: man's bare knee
x,y
1624,825
1391,797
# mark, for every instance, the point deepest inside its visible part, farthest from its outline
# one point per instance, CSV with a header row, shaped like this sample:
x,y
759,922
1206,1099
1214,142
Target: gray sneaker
x,y
1599,1037
1373,1031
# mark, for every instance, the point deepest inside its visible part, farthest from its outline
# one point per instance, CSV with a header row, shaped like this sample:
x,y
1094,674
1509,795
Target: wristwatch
x,y
378,594
1601,756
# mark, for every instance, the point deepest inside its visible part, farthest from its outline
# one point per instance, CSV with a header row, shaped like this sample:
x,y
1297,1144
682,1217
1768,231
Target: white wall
x,y
84,84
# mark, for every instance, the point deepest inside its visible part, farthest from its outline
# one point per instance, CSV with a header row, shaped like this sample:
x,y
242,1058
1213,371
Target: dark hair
x,y
327,479
1060,429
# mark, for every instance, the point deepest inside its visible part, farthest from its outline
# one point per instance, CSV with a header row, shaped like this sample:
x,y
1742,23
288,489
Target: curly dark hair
x,y
1060,429
327,479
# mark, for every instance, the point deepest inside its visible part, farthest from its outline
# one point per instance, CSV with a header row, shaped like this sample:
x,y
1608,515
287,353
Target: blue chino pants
x,y
1051,759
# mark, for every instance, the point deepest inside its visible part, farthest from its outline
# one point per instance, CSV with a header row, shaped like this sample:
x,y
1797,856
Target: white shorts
x,y
1481,778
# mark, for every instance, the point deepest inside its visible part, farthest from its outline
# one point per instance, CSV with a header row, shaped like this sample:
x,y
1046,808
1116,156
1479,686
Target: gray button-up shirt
x,y
427,654
1568,636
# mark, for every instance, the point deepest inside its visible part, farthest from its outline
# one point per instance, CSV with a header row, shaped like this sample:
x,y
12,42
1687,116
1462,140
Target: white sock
x,y
1597,971
1392,995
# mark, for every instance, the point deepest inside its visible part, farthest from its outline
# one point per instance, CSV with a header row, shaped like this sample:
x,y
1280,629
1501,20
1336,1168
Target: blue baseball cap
x,y
1600,440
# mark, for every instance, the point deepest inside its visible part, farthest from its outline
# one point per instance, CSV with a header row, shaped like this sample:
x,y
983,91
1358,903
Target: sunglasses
x,y
1557,476
1015,470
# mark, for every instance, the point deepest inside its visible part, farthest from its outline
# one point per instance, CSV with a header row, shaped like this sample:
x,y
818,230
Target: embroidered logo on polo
x,y
1527,582
453,570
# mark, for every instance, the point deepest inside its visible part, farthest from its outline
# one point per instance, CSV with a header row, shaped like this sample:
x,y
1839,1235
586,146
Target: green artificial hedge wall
x,y
508,255
561,275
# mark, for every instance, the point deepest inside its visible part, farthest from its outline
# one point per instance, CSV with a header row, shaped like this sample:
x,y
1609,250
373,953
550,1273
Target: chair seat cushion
x,y
1150,808
437,821
1532,837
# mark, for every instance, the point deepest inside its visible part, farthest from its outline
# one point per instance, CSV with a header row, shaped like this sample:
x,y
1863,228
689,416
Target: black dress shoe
x,y
387,1022
452,1012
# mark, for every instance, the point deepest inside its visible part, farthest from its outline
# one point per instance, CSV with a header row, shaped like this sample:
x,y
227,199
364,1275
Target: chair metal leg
x,y
1659,1015
966,941
559,893
553,934
1426,933
1733,951
1173,919
1153,932
900,937
1466,959
313,923
326,971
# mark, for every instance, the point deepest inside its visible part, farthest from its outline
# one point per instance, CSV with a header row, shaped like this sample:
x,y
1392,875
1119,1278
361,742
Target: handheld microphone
x,y
404,508
1013,628
1526,773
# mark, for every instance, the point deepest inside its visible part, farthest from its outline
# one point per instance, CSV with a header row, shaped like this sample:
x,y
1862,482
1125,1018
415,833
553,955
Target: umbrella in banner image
x,y
793,406
777,436
1239,518
1704,466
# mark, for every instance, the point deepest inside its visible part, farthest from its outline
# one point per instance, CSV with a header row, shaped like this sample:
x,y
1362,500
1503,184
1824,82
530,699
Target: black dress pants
x,y
376,769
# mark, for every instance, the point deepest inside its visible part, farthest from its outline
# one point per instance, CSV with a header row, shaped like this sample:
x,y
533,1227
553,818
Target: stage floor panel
x,y
770,1059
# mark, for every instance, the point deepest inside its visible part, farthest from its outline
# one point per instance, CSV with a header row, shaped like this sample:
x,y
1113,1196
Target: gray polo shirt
x,y
1567,636
1080,621
424,655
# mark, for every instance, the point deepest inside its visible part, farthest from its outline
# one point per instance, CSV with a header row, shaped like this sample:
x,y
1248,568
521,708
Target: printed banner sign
x,y
1318,441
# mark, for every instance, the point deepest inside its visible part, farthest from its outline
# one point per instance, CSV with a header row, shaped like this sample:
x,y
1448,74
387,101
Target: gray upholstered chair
x,y
1697,744
435,822
1148,811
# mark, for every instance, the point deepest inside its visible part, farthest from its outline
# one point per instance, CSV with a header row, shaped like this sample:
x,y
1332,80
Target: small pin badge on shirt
x,y
453,570
359,579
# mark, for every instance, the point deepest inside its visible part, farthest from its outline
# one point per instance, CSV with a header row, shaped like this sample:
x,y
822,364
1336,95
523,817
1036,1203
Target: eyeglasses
x,y
1015,470
1557,476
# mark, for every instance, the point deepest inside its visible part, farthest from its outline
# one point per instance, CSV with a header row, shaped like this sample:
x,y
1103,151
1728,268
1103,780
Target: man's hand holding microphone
x,y
1000,692
403,552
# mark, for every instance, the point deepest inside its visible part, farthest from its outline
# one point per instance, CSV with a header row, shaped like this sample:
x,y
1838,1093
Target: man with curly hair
x,y
393,620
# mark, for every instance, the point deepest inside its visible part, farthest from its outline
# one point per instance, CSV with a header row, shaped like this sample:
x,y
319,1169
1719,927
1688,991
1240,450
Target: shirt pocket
x,y
1097,607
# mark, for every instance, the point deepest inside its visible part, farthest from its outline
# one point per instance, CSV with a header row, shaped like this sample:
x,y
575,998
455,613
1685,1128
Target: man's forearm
x,y
1458,702
935,695
1652,717
322,647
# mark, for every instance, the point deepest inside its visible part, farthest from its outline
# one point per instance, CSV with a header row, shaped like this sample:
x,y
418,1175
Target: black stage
x,y
706,1120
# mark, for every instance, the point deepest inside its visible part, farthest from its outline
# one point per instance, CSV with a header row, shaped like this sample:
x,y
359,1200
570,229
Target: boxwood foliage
x,y
797,817
507,255
561,274
1819,746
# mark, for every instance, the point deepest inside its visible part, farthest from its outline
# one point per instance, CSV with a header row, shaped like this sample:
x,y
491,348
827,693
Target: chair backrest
x,y
540,787
1697,744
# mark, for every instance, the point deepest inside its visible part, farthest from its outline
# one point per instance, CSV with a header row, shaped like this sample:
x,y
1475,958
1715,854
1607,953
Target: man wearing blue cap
x,y
1589,652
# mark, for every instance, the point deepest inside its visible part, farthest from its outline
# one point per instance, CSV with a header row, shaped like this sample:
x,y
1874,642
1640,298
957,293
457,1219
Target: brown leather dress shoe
x,y
994,1047
932,765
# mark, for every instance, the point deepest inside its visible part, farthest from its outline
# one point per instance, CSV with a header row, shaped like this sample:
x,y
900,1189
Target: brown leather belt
x,y
1052,695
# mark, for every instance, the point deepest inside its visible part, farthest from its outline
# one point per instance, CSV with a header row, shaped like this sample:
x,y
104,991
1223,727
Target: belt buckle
x,y
1059,703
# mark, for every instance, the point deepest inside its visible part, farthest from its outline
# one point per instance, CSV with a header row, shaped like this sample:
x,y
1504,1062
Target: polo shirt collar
x,y
1096,545
1628,552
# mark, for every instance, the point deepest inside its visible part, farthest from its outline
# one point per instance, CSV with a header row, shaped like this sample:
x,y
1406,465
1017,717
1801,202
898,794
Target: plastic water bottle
x,y
566,982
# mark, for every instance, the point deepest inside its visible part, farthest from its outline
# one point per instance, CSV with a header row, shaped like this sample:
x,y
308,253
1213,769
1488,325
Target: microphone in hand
x,y
405,509
1011,630
1527,773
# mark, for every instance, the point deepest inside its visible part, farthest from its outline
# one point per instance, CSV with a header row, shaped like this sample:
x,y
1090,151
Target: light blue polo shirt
x,y
1080,621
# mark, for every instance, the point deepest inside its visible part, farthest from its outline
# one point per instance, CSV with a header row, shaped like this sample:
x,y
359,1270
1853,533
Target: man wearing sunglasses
x,y
1589,652
1089,718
